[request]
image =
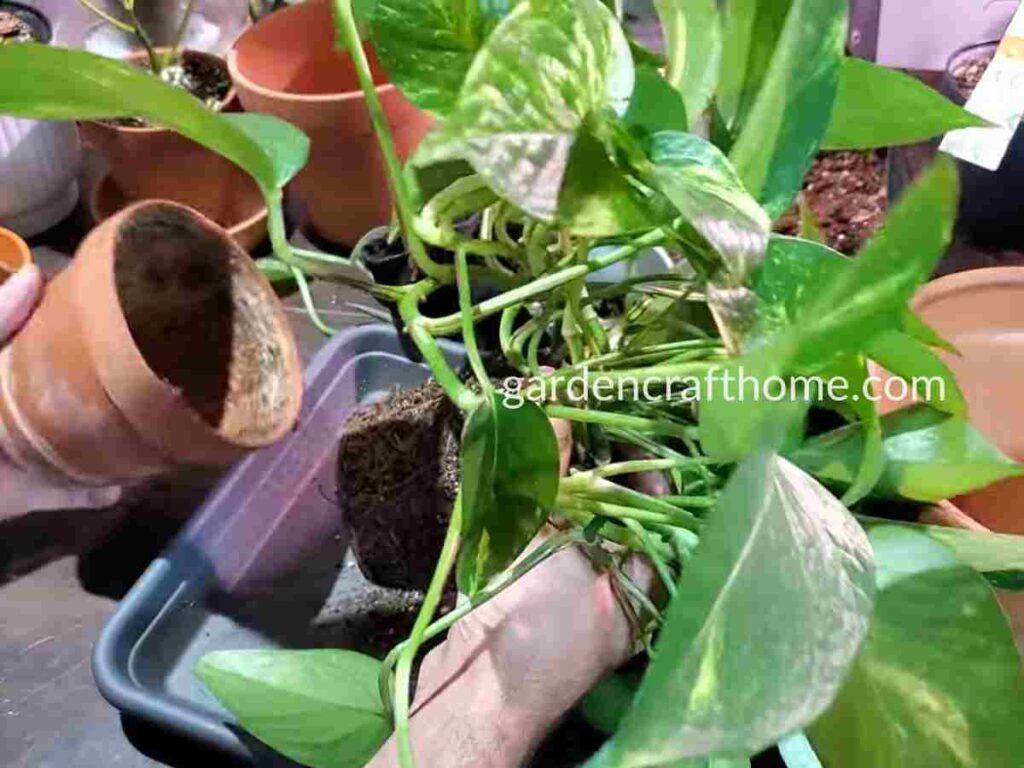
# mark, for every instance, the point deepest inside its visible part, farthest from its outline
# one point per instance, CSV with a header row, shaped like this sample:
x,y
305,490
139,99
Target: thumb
x,y
18,297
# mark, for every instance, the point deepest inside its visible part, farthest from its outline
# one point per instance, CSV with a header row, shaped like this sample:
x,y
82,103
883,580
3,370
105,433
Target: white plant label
x,y
999,98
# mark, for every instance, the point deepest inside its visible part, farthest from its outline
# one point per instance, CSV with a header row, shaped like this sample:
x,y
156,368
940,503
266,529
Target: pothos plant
x,y
161,64
884,645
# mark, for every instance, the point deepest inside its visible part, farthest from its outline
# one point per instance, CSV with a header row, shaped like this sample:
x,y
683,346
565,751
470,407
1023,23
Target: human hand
x,y
22,491
510,670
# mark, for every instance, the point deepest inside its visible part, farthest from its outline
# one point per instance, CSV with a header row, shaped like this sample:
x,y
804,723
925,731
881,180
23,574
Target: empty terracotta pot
x,y
287,65
979,313
14,254
160,345
153,163
243,212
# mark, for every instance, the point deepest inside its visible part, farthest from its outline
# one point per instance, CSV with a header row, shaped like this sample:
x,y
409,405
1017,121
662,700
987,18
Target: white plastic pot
x,y
38,173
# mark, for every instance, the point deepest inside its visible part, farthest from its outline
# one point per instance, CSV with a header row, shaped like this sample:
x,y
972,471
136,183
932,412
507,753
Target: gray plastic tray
x,y
262,564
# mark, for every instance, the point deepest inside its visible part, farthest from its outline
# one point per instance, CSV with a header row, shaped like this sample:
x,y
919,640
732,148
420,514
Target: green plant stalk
x,y
403,670
654,556
505,336
642,465
346,23
641,353
468,329
449,381
554,545
180,35
448,324
147,42
585,486
619,420
616,511
307,301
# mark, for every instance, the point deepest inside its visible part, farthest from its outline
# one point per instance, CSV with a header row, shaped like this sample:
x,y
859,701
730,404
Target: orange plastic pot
x,y
14,254
287,65
154,163
160,345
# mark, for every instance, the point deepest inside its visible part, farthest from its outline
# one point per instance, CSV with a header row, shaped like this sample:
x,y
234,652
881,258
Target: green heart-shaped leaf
x,y
320,708
740,677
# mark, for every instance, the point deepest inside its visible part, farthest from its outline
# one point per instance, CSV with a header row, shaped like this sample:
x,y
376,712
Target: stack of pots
x,y
287,65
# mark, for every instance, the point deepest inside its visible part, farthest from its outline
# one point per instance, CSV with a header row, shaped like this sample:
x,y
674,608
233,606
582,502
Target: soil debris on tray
x,y
968,73
397,478
846,192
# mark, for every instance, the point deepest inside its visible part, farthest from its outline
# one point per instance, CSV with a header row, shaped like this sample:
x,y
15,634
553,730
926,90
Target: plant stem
x,y
654,556
346,23
408,308
124,26
452,323
442,326
307,300
468,329
403,670
619,420
146,40
180,35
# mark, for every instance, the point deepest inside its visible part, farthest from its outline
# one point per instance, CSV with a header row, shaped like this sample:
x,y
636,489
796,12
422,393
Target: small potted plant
x,y
148,161
38,160
559,134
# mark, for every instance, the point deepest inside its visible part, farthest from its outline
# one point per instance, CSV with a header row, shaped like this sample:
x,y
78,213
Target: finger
x,y
18,297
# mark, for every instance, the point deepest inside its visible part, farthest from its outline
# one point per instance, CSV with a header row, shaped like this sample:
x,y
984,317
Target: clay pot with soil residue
x,y
288,65
153,163
160,345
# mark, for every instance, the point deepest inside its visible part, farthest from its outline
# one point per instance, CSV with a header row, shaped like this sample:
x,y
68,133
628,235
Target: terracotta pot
x,y
287,65
243,215
980,313
161,344
155,163
14,254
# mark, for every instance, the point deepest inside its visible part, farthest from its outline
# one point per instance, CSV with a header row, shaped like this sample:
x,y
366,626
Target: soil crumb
x,y
397,479
846,191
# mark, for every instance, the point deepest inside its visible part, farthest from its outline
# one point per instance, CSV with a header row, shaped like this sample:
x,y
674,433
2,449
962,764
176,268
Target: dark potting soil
x,y
198,322
397,478
968,73
206,78
846,191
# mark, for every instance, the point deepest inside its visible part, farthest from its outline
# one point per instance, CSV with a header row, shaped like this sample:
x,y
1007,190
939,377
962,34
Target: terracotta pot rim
x,y
241,79
971,280
22,249
119,329
137,55
98,215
